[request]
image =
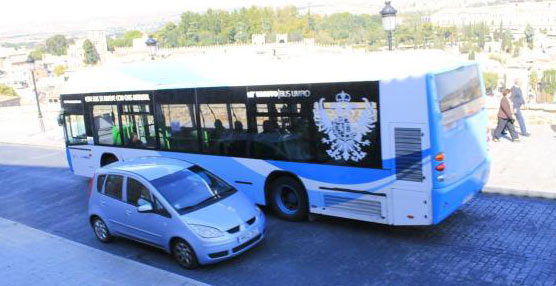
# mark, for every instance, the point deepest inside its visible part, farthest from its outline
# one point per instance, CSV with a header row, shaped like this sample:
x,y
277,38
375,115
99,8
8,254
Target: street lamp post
x,y
151,44
31,63
388,14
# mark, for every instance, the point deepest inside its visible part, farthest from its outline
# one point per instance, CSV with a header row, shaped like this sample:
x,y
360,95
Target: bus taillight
x,y
440,167
439,156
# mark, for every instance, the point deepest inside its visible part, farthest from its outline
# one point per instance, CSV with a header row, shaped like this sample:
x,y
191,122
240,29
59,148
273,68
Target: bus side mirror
x,y
60,119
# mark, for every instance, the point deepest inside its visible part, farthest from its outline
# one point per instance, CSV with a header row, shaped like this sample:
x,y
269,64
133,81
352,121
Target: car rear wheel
x,y
289,199
101,230
183,253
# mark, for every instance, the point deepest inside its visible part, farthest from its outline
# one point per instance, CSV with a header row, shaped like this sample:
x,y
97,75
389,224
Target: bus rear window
x,y
458,87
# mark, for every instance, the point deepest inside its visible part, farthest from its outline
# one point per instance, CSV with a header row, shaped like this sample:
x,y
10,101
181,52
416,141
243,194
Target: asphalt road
x,y
494,240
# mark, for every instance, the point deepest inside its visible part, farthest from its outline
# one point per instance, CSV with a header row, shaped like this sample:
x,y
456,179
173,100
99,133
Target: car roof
x,y
150,168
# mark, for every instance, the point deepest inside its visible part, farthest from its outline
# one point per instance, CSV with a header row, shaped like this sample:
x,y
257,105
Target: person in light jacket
x,y
505,118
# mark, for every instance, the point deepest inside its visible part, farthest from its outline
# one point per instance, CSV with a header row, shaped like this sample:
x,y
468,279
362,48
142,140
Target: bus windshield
x,y
458,87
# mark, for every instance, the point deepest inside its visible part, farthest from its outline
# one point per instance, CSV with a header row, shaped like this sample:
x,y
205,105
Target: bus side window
x,y
178,130
237,140
138,126
106,127
215,127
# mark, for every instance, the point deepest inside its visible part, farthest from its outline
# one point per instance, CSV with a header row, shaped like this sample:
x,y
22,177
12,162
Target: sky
x,y
37,11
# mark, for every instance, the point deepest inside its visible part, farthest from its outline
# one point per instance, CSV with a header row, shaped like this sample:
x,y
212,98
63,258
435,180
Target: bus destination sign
x,y
117,98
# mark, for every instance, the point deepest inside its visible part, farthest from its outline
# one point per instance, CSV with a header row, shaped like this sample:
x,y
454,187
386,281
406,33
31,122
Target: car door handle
x,y
128,212
102,203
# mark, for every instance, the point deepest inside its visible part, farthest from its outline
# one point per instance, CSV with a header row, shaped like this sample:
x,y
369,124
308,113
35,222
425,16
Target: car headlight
x,y
206,231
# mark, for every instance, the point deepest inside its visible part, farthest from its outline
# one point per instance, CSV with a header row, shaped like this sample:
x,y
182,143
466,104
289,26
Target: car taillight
x,y
90,186
440,167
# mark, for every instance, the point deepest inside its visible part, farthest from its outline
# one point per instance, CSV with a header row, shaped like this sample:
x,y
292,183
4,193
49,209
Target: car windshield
x,y
191,189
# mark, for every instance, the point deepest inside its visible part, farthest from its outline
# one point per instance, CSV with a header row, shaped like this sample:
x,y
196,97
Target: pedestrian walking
x,y
518,101
505,118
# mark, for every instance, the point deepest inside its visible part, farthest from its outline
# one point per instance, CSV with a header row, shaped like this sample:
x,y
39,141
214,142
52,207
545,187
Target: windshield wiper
x,y
197,205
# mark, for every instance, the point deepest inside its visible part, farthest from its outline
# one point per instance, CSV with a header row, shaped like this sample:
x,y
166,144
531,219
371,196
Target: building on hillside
x,y
258,39
14,68
281,38
97,36
76,55
514,16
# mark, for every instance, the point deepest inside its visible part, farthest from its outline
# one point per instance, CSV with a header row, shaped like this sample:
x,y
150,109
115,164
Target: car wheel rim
x,y
287,200
184,254
101,230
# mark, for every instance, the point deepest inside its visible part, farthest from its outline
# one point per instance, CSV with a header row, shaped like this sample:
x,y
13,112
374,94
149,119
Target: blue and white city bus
x,y
396,138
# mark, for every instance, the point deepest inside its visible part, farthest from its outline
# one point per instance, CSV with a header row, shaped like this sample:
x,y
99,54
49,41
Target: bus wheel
x,y
289,199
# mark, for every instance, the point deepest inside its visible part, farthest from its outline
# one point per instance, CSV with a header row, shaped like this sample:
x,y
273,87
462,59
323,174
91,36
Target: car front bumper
x,y
211,252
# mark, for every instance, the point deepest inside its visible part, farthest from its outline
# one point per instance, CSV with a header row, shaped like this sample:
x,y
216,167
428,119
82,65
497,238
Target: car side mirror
x,y
146,207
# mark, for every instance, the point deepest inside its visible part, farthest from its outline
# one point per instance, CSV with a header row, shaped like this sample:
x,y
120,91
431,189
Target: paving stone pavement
x,y
494,240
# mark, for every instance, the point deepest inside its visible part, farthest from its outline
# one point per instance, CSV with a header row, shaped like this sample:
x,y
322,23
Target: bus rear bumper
x,y
447,200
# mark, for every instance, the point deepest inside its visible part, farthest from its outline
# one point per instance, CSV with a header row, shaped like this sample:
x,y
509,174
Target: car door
x,y
148,227
111,203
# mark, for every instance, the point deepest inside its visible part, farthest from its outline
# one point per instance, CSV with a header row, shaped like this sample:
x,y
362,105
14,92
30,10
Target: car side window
x,y
159,208
113,186
100,182
136,191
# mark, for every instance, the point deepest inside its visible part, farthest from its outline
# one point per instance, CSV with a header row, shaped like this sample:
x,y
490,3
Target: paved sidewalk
x,y
20,125
526,168
32,257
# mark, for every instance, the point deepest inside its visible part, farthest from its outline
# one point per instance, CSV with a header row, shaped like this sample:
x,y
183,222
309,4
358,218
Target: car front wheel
x,y
101,230
183,253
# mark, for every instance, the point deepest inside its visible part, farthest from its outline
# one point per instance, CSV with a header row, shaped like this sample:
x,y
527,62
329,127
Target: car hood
x,y
224,214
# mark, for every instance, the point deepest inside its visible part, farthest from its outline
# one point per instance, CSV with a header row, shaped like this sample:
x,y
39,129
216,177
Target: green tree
x,y
529,34
37,53
7,90
533,80
125,40
90,53
549,82
59,70
491,80
507,39
56,45
471,55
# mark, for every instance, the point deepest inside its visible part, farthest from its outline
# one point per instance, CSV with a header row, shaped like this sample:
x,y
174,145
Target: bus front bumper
x,y
448,199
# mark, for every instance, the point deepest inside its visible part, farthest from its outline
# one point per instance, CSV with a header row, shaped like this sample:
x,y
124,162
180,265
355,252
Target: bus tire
x,y
107,158
288,199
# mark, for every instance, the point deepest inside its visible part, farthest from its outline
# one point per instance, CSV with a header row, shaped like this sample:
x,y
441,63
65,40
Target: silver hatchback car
x,y
174,205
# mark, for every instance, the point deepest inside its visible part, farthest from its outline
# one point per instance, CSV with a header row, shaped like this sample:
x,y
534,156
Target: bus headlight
x,y
206,231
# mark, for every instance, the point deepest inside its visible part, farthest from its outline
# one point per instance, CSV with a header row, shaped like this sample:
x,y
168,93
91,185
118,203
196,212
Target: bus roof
x,y
231,70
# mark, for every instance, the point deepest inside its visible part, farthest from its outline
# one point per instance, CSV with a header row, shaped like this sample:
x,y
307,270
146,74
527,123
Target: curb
x,y
33,145
524,193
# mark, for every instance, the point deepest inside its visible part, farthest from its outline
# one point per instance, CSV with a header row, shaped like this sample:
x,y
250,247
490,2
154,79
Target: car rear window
x,y
113,187
458,87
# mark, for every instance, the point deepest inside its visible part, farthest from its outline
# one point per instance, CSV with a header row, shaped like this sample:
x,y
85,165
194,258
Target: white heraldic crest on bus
x,y
344,136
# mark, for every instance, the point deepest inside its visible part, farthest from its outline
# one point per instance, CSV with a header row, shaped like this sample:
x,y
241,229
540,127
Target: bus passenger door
x,y
79,153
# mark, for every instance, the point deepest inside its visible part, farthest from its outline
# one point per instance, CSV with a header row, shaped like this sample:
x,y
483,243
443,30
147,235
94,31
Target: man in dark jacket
x,y
518,100
505,118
